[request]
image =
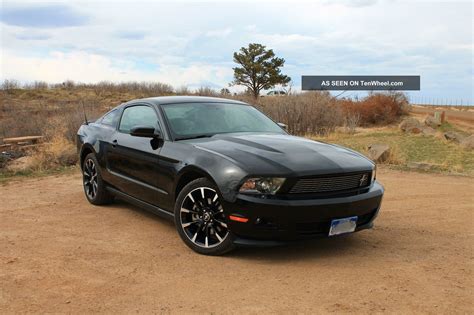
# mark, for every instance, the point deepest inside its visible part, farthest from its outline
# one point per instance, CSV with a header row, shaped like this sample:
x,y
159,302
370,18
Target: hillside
x,y
57,112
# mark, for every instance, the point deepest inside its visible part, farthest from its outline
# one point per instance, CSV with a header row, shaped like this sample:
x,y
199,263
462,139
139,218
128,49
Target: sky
x,y
191,43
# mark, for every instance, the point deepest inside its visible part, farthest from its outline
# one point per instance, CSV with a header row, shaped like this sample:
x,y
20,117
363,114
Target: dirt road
x,y
60,254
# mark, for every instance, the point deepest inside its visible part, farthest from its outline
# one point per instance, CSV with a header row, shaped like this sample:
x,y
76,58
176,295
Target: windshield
x,y
189,120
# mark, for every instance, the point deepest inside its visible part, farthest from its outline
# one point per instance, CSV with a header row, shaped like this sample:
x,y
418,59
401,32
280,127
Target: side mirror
x,y
144,132
283,126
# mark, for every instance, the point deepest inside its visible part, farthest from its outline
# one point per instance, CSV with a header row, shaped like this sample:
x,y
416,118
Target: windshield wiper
x,y
194,137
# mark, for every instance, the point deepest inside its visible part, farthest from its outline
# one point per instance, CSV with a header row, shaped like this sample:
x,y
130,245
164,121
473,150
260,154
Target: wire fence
x,y
440,101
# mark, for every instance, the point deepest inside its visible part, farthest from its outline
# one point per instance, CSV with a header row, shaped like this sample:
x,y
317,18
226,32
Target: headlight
x,y
374,173
262,185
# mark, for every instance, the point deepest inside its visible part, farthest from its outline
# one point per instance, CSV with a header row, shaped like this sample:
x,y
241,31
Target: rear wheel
x,y
94,186
200,219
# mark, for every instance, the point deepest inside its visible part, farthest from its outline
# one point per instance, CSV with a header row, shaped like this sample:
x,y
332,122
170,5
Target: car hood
x,y
276,154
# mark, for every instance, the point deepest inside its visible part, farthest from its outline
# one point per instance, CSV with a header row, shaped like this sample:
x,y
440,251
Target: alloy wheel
x,y
202,218
90,179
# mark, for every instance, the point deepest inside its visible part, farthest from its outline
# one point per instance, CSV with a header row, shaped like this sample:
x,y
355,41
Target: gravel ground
x,y
58,253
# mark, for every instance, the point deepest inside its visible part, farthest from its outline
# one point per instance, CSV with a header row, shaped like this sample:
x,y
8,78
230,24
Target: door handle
x,y
114,143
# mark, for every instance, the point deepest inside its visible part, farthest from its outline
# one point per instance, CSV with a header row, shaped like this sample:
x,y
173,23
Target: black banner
x,y
361,82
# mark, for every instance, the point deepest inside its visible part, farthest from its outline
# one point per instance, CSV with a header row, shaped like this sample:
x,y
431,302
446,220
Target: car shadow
x,y
299,250
309,249
122,204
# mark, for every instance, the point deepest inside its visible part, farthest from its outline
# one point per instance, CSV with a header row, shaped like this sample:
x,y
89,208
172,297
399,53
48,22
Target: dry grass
x,y
56,111
406,148
59,152
315,113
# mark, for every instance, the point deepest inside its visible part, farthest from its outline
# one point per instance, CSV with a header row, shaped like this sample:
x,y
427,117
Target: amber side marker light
x,y
238,219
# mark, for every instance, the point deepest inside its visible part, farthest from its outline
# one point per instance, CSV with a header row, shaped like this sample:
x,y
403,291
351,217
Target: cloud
x,y
43,16
86,67
132,35
219,33
193,42
251,28
32,35
355,3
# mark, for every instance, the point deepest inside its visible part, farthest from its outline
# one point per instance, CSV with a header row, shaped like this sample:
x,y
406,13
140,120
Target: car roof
x,y
184,99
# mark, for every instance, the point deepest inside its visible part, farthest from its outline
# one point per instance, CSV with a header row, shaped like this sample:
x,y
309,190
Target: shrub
x,y
43,118
59,148
40,85
351,122
69,84
18,122
8,86
56,112
376,109
58,152
308,113
3,160
206,91
183,90
224,92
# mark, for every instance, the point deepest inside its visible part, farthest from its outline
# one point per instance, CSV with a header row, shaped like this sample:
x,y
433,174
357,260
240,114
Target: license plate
x,y
342,226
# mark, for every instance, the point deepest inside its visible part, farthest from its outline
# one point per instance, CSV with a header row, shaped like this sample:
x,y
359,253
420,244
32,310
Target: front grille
x,y
330,184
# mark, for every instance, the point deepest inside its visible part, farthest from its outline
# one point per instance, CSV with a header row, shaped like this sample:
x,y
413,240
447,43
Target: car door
x,y
134,161
108,126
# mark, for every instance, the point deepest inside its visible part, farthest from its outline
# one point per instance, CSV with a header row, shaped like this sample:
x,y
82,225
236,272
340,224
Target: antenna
x,y
84,110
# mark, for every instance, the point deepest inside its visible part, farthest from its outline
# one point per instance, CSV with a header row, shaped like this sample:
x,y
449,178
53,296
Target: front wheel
x,y
200,219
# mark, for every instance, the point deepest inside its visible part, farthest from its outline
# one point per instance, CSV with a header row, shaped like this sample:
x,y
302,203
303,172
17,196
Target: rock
x,y
411,125
379,152
440,116
432,122
453,136
20,164
420,166
468,142
428,131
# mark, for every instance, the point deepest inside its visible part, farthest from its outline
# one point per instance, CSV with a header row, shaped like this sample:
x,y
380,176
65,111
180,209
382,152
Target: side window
x,y
111,118
139,115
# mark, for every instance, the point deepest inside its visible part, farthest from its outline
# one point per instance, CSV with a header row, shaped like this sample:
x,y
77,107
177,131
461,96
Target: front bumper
x,y
272,221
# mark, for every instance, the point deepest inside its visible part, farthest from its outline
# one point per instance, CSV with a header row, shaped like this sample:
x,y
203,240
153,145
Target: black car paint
x,y
150,175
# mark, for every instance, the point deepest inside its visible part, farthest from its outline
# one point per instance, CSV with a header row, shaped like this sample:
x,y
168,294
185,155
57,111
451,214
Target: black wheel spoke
x,y
188,211
189,223
219,210
221,223
218,236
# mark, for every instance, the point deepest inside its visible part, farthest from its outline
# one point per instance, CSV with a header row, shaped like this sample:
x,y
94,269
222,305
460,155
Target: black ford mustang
x,y
226,173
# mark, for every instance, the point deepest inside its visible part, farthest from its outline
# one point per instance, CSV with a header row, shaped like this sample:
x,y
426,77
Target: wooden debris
x,y
23,140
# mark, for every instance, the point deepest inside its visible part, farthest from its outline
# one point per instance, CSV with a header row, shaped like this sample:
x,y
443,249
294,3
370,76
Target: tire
x,y
94,186
201,222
